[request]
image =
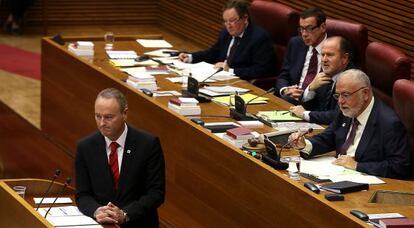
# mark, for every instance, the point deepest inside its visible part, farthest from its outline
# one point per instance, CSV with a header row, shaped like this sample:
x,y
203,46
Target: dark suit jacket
x,y
383,149
141,187
293,62
254,57
323,106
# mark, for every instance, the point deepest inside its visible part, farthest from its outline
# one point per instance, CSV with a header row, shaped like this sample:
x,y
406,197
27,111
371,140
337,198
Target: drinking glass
x,y
20,190
294,167
109,40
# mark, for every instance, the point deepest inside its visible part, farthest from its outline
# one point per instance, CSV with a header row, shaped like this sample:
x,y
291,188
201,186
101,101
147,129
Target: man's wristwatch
x,y
126,217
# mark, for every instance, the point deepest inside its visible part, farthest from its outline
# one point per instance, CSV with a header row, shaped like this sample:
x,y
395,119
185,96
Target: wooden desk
x,y
209,182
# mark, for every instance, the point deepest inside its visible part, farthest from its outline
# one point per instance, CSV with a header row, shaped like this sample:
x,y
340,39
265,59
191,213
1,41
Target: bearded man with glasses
x,y
367,135
243,48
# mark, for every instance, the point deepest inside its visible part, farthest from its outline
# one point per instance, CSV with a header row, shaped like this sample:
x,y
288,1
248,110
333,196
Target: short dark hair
x,y
314,12
114,93
241,7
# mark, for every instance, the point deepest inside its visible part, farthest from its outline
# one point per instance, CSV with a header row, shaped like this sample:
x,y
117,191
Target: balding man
x,y
367,135
318,103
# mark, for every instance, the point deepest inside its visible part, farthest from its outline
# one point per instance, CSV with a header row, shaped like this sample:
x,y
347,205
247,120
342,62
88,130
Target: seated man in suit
x,y
303,59
367,135
243,48
336,57
120,171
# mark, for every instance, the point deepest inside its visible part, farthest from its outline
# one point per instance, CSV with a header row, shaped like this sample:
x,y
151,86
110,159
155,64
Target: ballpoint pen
x,y
284,113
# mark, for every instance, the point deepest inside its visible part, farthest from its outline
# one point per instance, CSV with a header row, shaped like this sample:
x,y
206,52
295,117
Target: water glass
x,y
109,40
20,190
294,167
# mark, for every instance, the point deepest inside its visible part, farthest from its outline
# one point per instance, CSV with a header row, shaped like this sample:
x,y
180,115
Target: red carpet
x,y
18,61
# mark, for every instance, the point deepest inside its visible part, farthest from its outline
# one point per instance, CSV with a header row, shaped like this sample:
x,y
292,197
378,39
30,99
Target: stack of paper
x,y
82,48
185,106
162,52
142,81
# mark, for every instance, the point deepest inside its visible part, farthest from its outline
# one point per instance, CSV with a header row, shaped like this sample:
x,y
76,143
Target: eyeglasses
x,y
232,21
346,95
307,29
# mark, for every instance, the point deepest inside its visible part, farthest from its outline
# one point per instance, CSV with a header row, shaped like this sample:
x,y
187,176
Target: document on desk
x,y
323,168
150,43
229,100
48,200
121,54
215,91
203,70
68,216
278,116
161,52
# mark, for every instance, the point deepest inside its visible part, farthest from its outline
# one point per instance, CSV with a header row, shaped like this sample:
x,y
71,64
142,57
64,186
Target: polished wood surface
x,y
19,212
209,182
27,152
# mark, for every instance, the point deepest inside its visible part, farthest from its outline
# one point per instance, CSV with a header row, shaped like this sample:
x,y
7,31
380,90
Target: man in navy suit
x,y
367,135
243,48
297,69
336,54
120,172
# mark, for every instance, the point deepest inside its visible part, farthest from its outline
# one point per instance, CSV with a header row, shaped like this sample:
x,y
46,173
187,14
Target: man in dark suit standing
x,y
367,135
243,48
336,54
303,57
120,171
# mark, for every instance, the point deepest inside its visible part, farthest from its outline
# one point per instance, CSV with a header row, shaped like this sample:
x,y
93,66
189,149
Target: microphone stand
x,y
57,173
240,107
67,182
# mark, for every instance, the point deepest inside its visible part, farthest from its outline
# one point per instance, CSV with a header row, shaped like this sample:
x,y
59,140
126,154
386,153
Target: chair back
x,y
356,33
386,64
403,95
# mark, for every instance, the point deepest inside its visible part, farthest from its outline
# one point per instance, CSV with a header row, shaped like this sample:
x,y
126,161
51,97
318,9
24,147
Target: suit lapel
x,y
126,158
368,133
102,164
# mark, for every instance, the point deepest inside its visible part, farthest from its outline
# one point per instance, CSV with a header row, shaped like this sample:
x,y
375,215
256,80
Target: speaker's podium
x,y
18,212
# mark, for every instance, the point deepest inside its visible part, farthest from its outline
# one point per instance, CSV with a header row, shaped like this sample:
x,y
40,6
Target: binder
x,y
343,187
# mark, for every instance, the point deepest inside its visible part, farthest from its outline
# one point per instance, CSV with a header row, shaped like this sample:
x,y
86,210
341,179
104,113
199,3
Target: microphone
x,y
217,71
67,182
193,85
288,143
57,173
240,107
272,157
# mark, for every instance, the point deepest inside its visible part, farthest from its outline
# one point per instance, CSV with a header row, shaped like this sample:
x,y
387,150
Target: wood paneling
x,y
94,12
200,21
390,22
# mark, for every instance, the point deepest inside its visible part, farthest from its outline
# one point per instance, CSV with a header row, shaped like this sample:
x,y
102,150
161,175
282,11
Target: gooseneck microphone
x,y
216,72
193,85
67,182
57,173
240,107
272,157
289,142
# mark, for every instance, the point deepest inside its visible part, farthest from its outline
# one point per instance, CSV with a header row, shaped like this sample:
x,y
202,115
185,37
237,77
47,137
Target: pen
x,y
284,113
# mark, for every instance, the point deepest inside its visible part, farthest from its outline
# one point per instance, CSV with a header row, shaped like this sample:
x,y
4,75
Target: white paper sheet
x,y
48,200
149,43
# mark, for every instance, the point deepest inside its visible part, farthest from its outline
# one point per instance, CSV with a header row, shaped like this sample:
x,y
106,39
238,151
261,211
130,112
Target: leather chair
x,y
281,22
403,96
356,33
386,64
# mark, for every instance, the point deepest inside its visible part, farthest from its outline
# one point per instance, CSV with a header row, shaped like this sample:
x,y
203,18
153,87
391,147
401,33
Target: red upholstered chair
x,y
281,22
356,33
384,65
403,96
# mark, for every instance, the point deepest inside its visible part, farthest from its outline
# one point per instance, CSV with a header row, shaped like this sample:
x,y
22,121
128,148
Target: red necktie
x,y
312,69
350,140
113,163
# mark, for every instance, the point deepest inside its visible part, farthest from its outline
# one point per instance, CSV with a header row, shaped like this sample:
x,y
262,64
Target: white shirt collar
x,y
121,140
363,117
